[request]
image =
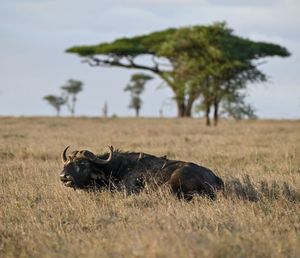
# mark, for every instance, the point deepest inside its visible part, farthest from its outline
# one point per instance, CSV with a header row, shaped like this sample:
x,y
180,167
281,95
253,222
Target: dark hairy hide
x,y
132,170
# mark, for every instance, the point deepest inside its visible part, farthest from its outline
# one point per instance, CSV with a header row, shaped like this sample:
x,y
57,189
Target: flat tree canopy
x,y
152,42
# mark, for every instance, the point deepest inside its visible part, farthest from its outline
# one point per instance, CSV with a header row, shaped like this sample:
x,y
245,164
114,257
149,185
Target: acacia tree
x,y
201,43
71,89
136,87
56,102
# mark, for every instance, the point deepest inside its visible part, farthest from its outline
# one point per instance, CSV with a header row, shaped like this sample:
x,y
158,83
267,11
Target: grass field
x,y
257,216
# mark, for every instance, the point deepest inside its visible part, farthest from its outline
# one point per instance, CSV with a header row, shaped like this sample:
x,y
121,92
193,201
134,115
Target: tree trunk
x,y
137,112
188,111
189,105
73,105
207,112
179,95
185,109
181,109
216,112
58,111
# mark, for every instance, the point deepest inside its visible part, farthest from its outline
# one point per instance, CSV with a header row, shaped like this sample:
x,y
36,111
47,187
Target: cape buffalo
x,y
132,170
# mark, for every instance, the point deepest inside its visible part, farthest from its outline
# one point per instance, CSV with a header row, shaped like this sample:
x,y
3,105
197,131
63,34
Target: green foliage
x,y
139,45
73,87
56,102
235,106
152,43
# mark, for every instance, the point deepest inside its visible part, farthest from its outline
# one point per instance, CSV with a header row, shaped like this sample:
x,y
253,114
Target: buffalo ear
x,y
73,154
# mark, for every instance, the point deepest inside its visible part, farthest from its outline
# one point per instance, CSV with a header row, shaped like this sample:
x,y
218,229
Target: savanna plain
x,y
258,214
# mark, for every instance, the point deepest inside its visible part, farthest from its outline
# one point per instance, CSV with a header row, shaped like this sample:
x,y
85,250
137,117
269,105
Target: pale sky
x,y
35,33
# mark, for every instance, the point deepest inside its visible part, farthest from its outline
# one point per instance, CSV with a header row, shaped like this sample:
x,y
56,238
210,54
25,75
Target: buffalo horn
x,y
64,155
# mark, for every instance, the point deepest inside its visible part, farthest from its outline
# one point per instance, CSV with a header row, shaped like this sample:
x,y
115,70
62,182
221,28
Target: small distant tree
x,y
71,89
136,87
56,102
105,110
161,112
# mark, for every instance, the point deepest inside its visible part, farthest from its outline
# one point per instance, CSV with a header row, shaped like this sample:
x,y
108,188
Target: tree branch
x,y
94,61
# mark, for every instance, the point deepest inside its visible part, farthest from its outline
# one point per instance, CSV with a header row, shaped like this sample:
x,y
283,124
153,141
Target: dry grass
x,y
258,215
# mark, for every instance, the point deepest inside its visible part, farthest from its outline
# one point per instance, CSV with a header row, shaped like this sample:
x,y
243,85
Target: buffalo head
x,y
82,168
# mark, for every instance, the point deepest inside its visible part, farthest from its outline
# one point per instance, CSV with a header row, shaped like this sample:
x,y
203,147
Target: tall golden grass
x,y
257,216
